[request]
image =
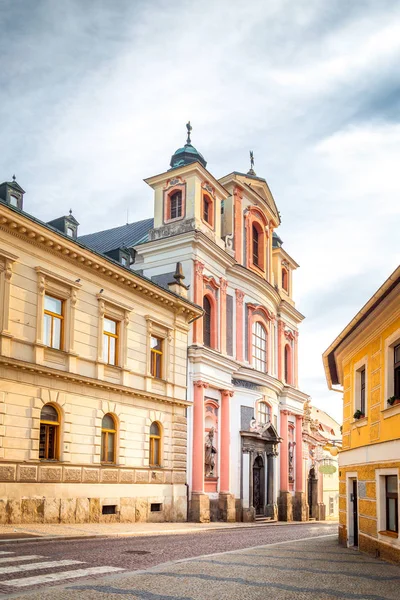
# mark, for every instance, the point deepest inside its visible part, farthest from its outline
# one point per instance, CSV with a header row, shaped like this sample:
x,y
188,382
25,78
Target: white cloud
x,y
94,97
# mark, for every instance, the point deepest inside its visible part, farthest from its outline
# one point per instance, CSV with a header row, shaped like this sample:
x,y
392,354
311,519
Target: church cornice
x,y
194,167
29,229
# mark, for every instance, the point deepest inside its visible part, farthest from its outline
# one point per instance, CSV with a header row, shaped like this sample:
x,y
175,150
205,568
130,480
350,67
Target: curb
x,y
51,538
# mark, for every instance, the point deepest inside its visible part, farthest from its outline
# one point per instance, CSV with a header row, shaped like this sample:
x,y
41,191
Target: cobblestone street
x,y
312,568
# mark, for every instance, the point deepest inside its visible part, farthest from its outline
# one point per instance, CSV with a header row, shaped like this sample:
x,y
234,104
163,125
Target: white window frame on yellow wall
x,y
65,290
112,309
380,478
359,366
390,343
6,268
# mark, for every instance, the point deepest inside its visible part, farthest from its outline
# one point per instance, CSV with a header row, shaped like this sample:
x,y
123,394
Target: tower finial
x,y
251,171
189,130
14,178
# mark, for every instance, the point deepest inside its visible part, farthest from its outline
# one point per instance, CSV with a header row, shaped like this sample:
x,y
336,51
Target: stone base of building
x,y
248,514
271,511
93,510
226,508
300,507
343,535
285,507
200,508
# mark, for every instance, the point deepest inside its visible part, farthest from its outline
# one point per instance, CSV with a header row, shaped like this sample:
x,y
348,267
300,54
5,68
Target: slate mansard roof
x,y
125,236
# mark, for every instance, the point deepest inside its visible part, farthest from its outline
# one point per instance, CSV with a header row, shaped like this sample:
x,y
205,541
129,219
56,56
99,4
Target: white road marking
x,y
42,565
2,553
17,558
24,582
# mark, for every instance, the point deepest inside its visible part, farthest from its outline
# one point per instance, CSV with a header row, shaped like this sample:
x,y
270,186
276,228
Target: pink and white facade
x,y
242,356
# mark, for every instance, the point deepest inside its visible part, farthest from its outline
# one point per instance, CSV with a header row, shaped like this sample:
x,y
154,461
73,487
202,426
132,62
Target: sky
x,y
95,94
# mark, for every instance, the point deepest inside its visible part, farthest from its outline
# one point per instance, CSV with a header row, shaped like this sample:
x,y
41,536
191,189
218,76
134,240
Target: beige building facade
x,y
93,361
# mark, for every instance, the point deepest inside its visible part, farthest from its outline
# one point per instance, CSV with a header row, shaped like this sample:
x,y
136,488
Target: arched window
x,y
207,322
263,413
259,345
285,280
155,445
291,446
288,364
108,439
256,246
49,441
175,205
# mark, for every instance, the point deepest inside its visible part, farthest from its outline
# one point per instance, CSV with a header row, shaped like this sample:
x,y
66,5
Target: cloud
x,y
94,96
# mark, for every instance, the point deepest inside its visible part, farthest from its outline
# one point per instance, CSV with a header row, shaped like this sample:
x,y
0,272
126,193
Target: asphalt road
x,y
29,566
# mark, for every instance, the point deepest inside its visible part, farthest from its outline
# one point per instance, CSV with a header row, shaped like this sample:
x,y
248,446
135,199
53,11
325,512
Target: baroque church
x,y
215,242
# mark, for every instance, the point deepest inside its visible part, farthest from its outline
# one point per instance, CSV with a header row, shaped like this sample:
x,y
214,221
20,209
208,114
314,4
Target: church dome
x,y
188,154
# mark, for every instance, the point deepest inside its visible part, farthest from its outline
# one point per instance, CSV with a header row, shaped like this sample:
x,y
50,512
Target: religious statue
x,y
251,171
210,452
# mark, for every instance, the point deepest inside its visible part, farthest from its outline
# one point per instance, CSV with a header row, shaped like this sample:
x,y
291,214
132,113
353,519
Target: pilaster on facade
x,y
198,299
239,325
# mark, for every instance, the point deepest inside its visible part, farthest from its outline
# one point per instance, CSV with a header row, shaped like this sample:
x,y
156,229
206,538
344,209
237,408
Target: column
x,y
296,360
225,462
281,328
198,299
285,504
222,303
239,326
270,486
238,225
198,438
299,454
226,500
284,470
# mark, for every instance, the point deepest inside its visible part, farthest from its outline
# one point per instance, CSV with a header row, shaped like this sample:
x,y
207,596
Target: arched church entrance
x,y
258,485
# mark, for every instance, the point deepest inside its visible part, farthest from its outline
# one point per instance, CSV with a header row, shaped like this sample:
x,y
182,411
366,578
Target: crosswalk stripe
x,y
34,566
3,553
25,581
18,558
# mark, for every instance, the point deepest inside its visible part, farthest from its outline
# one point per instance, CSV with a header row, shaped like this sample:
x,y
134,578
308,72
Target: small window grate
x,y
156,507
109,509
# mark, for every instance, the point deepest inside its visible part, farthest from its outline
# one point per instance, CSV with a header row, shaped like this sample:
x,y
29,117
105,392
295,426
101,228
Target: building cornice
x,y
287,256
89,381
34,232
194,167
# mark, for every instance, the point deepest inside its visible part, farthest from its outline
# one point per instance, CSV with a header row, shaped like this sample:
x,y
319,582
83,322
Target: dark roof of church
x,y
124,236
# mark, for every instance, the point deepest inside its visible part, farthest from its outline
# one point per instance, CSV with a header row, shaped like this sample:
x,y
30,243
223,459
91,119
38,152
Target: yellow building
x,y
365,361
93,401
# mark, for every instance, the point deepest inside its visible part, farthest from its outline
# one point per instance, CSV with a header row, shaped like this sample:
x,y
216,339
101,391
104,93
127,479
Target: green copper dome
x,y
188,154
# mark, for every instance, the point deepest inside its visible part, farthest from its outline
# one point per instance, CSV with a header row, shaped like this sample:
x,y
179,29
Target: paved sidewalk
x,y
123,529
311,569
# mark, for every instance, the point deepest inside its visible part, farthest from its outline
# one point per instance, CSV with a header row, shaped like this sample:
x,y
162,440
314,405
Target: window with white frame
x,y
361,387
259,346
263,413
392,368
392,503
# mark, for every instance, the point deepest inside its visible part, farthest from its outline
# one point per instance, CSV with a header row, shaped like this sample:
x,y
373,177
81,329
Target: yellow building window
x,y
110,341
156,355
49,433
108,439
53,322
155,445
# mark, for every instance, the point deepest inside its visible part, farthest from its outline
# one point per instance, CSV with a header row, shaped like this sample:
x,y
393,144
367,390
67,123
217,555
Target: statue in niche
x,y
210,452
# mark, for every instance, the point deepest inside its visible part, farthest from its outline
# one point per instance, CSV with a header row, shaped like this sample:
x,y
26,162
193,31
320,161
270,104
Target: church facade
x,y
245,409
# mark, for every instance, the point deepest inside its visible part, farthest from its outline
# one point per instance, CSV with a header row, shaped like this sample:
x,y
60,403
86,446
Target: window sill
x,y
360,422
391,411
208,224
391,534
108,464
168,221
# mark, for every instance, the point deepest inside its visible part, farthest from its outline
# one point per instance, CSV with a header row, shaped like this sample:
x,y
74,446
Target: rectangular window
x,y
156,354
206,210
397,371
53,322
392,503
110,341
362,391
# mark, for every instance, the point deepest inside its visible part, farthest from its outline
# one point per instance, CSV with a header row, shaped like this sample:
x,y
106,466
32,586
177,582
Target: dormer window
x,y
124,261
70,232
14,201
176,205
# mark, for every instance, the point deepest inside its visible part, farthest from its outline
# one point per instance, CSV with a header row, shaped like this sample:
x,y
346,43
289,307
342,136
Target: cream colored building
x,y
92,380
